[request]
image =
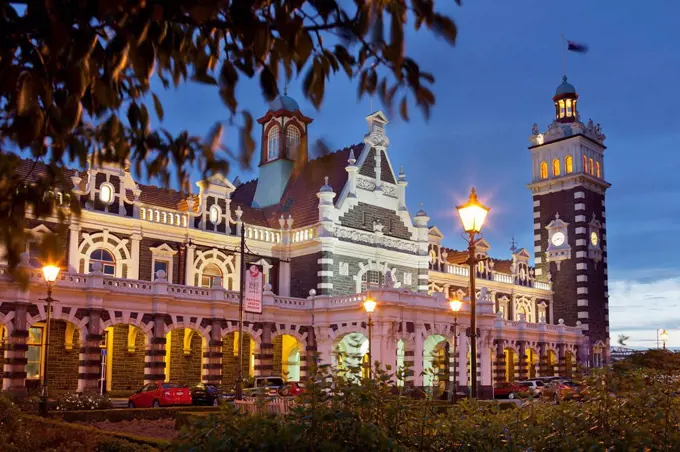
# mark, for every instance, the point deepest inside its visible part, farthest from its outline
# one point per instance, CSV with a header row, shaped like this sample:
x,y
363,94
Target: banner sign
x,y
253,289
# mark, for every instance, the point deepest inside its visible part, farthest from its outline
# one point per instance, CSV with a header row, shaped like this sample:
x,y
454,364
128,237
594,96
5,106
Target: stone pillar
x,y
561,361
522,361
154,364
133,268
543,360
14,369
73,254
418,356
308,356
325,274
500,361
212,355
284,279
486,384
266,355
189,269
90,357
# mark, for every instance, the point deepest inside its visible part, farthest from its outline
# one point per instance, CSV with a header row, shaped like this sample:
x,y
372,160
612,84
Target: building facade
x,y
151,276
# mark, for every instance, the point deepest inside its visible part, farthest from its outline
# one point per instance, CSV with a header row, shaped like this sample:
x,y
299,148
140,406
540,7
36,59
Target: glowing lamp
x,y
50,272
664,336
472,214
369,305
455,305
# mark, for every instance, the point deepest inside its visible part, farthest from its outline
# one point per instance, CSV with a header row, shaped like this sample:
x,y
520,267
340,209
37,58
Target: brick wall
x,y
230,362
185,368
362,216
345,284
278,356
127,367
303,274
146,259
62,364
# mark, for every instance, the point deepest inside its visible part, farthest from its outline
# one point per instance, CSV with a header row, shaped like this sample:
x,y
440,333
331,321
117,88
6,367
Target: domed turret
x,y
565,102
284,102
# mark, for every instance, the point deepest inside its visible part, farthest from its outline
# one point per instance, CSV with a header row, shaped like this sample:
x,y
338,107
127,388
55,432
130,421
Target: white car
x,y
535,386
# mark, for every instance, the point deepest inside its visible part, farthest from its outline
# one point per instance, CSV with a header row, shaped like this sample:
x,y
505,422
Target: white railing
x,y
154,215
288,302
263,234
503,278
542,285
128,285
459,270
302,235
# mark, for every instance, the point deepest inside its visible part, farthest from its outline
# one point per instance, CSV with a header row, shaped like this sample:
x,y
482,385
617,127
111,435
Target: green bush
x,y
618,414
127,414
82,401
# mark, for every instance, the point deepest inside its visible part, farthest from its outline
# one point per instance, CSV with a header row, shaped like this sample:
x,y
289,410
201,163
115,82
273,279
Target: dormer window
x,y
544,170
215,214
273,143
106,193
292,141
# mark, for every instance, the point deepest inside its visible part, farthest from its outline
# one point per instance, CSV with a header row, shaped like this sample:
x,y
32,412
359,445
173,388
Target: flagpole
x,y
564,56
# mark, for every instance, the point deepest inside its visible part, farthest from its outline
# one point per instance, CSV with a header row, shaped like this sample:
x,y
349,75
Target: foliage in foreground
x,y
619,413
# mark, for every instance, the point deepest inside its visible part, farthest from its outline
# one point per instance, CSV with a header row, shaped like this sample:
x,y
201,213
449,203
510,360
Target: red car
x,y
292,388
160,394
509,390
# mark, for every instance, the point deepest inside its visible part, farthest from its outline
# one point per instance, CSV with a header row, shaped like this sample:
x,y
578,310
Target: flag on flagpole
x,y
576,47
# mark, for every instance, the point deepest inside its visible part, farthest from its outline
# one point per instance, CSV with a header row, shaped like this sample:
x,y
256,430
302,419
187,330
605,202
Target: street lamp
x,y
472,215
455,305
50,272
369,306
664,338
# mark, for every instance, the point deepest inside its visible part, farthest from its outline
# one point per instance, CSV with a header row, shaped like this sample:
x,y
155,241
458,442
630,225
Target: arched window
x,y
106,259
568,164
273,143
592,170
210,273
597,169
215,214
585,164
556,167
544,170
561,108
568,107
292,141
371,279
106,193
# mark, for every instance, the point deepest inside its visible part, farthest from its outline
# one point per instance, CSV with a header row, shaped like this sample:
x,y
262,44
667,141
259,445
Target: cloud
x,y
639,307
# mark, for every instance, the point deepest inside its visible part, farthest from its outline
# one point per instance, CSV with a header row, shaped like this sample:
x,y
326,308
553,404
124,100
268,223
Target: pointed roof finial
x,y
513,244
557,215
325,179
352,159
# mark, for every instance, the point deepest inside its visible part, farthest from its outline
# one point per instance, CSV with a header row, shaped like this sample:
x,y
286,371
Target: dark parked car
x,y
207,394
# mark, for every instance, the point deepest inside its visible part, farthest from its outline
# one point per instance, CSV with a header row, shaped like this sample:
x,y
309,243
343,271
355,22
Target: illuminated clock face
x,y
594,239
557,238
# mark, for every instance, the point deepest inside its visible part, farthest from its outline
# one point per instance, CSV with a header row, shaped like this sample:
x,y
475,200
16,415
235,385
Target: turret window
x,y
273,143
544,170
106,193
592,170
568,164
561,108
585,164
292,141
556,167
597,169
568,107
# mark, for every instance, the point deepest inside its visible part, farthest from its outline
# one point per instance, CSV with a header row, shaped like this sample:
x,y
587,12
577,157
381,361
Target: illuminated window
x,y
574,107
561,109
34,352
568,164
544,170
568,107
106,259
215,214
597,169
106,193
592,171
585,164
556,167
273,143
371,278
210,273
292,141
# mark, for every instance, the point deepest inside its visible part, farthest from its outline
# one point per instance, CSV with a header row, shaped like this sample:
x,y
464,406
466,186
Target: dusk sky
x,y
491,87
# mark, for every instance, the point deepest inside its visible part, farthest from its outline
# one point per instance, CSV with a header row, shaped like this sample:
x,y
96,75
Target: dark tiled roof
x,y
161,197
454,256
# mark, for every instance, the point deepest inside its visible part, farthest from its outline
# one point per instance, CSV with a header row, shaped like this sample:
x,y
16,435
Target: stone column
x,y
543,360
266,355
308,356
212,355
500,361
418,356
14,369
486,373
154,364
522,361
561,360
189,269
133,268
73,254
90,357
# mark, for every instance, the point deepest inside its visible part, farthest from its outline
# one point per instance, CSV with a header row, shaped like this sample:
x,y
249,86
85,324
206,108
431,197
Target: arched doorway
x,y
511,363
351,356
230,357
62,357
532,362
125,347
183,356
569,364
436,359
287,357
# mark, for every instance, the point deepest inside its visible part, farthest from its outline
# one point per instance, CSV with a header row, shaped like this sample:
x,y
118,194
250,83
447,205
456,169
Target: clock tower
x,y
570,241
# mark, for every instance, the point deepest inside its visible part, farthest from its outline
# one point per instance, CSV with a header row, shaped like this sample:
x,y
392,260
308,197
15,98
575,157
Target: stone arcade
x,y
152,276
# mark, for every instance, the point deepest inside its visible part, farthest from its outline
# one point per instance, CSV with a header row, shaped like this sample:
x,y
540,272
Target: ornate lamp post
x,y
369,306
472,215
664,338
50,272
455,305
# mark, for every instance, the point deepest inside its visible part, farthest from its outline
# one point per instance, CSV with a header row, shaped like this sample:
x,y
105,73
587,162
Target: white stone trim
x,y
537,248
375,266
537,226
102,240
580,218
581,278
582,290
537,237
581,230
324,260
580,242
225,263
539,272
579,194
581,254
538,260
582,314
585,327
581,266
537,214
162,253
537,202
324,285
582,302
580,206
324,273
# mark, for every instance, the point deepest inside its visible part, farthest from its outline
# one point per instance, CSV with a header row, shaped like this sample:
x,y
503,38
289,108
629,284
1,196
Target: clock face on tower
x,y
557,238
594,239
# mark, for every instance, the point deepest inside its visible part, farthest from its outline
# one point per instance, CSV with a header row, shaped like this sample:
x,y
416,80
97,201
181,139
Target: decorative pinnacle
x,y
352,160
557,215
325,180
473,196
513,245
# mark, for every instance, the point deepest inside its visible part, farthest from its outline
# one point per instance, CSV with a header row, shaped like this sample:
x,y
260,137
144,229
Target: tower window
x,y
597,169
544,170
215,214
106,193
585,164
561,108
568,164
568,107
592,171
106,259
273,143
556,167
292,141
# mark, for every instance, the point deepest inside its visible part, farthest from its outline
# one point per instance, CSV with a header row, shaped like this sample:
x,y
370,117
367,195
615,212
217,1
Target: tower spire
x,y
564,56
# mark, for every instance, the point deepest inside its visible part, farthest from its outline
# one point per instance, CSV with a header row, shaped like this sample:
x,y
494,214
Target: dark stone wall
x,y
184,368
230,361
362,216
127,371
62,364
303,274
345,284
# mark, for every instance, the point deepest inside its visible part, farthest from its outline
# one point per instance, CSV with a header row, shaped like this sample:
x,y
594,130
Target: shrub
x,y
82,401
